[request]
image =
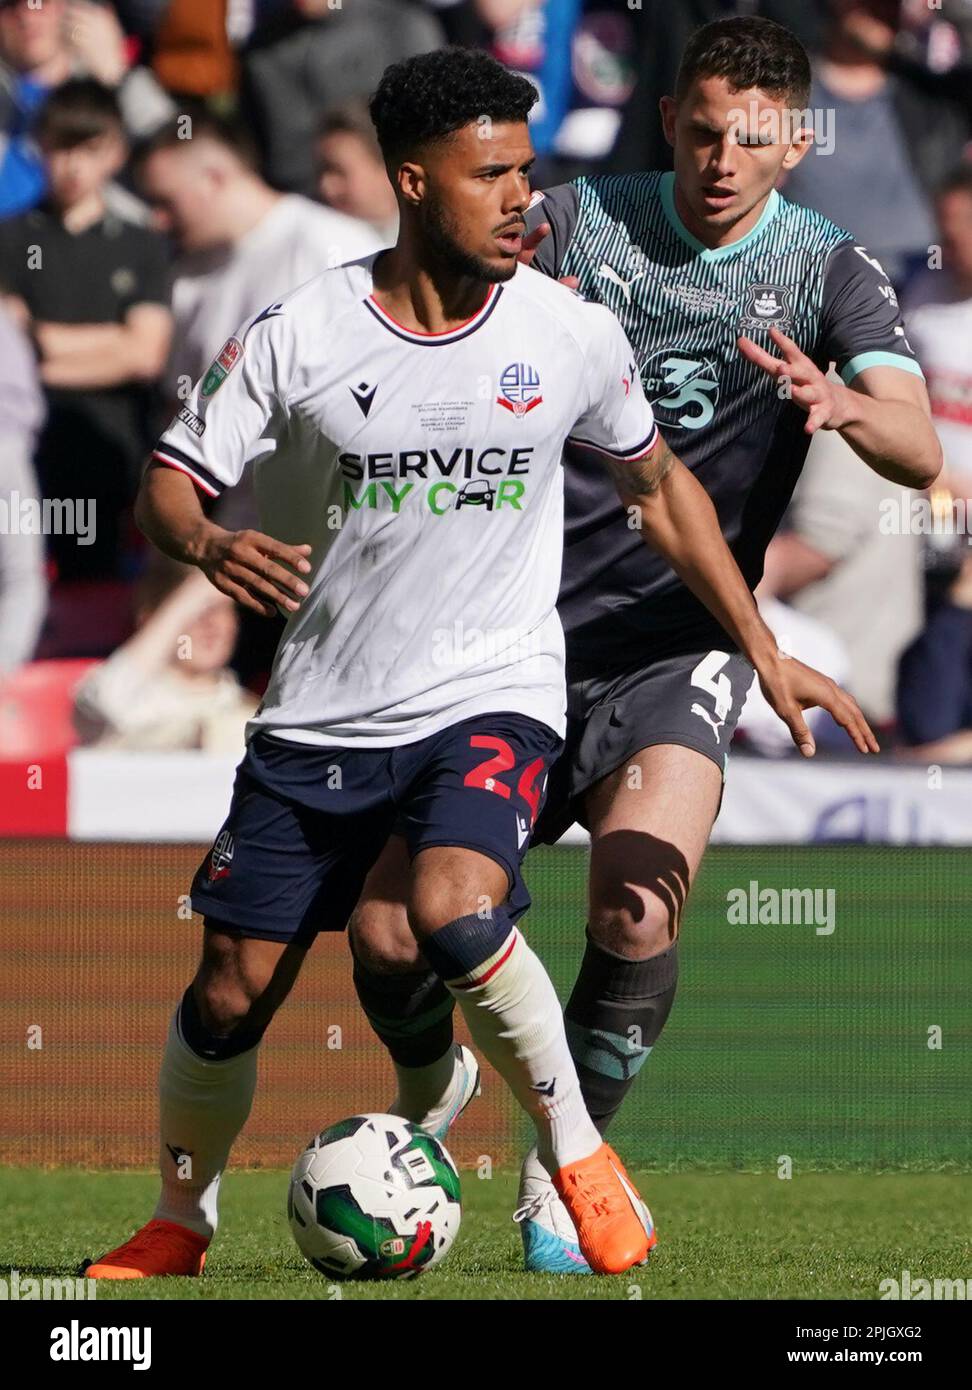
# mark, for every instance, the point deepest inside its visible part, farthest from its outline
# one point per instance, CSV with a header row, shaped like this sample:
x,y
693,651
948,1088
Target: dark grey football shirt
x,y
683,306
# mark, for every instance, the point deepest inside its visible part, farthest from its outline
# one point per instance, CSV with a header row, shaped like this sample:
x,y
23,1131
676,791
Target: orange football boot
x,y
604,1207
161,1247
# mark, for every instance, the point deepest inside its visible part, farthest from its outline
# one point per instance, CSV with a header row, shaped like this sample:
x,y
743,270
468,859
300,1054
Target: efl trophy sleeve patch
x,y
223,363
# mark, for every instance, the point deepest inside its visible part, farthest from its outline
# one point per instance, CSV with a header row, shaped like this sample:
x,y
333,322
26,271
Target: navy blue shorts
x,y
307,823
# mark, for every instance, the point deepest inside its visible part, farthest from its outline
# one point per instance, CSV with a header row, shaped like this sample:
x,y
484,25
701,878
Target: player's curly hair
x,y
432,95
748,51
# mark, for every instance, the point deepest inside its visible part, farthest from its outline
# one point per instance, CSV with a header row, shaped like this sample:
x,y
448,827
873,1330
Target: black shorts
x,y
693,700
307,823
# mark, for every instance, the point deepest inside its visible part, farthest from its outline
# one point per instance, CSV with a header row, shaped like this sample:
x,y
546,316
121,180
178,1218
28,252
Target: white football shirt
x,y
425,472
214,291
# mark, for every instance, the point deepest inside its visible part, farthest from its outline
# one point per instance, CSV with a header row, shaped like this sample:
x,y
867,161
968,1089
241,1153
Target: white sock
x,y
422,1090
202,1108
517,1023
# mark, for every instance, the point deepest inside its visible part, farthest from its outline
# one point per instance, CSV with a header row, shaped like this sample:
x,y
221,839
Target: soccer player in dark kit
x,y
736,302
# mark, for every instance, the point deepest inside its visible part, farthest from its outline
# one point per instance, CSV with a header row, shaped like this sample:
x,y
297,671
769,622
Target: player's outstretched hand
x,y
257,571
530,243
809,387
529,249
791,687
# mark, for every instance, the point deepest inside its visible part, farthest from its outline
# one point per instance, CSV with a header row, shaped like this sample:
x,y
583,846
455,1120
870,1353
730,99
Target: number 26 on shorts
x,y
486,775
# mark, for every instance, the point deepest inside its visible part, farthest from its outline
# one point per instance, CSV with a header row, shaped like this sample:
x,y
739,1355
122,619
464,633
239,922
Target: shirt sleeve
x,y
561,208
861,322
237,412
154,281
618,424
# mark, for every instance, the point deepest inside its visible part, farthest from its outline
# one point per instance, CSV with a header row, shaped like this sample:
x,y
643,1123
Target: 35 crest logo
x,y
519,388
682,391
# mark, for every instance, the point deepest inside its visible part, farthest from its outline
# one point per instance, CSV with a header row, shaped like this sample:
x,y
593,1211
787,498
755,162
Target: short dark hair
x,y
203,123
431,96
748,52
80,109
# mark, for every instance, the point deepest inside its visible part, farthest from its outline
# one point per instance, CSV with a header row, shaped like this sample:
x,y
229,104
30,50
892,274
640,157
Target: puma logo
x,y
714,724
607,272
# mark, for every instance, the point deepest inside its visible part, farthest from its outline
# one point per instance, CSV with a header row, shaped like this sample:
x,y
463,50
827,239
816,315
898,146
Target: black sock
x,y
411,1013
209,1046
614,1017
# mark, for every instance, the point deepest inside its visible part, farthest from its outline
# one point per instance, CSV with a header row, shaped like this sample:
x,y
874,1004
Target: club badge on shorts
x,y
221,857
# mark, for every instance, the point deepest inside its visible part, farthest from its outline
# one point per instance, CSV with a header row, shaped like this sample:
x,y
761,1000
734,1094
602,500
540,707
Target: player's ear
x,y
668,108
411,183
799,147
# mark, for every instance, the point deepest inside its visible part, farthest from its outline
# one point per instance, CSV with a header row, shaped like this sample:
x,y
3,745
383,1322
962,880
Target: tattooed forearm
x,y
645,476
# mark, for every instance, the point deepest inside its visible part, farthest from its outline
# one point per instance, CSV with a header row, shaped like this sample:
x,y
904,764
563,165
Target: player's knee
x,y
382,940
429,909
232,993
433,906
224,1006
450,883
637,923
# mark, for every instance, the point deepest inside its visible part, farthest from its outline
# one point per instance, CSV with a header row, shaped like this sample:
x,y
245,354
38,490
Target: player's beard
x,y
440,234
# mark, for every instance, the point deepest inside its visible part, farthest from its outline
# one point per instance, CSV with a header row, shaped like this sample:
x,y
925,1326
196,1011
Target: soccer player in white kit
x,y
405,415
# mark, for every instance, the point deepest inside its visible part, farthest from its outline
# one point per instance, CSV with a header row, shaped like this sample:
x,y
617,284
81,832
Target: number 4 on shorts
x,y
707,676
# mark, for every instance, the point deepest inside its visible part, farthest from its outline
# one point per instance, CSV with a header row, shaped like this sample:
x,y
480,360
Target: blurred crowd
x,y
128,254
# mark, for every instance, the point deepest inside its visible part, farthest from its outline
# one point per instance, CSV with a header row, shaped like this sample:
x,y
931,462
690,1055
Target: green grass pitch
x,y
783,1042
786,1041
728,1236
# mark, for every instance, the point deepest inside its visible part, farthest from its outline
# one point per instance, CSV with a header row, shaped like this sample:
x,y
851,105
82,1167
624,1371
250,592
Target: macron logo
x,y
77,1343
364,395
272,311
